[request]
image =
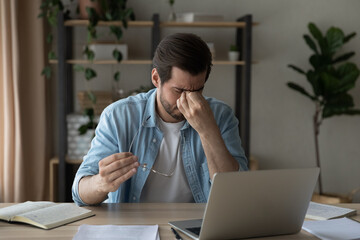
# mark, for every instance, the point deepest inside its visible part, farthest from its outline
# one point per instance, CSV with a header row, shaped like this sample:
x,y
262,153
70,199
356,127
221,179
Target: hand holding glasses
x,y
144,165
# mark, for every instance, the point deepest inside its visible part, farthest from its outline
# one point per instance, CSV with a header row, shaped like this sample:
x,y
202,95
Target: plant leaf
x,y
117,32
90,54
46,72
117,55
51,55
334,38
83,129
348,37
313,79
315,32
300,89
343,57
348,74
92,98
89,73
337,105
117,76
299,70
49,38
311,43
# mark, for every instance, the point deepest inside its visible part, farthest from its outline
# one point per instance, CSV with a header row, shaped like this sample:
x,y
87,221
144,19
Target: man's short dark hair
x,y
185,51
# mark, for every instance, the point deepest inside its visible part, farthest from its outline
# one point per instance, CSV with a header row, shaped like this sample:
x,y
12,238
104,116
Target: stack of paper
x,y
119,232
334,229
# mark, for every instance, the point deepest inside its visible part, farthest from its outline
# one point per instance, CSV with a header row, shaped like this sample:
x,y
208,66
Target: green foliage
x,y
46,72
49,9
117,76
90,55
89,112
117,55
331,76
234,48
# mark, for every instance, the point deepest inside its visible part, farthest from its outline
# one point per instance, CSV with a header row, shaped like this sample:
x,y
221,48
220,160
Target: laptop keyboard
x,y
195,230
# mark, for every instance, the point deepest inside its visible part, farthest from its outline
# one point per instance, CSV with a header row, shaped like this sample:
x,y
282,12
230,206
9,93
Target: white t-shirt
x,y
176,188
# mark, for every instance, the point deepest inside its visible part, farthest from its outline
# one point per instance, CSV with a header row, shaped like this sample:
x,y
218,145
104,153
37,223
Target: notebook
x,y
254,204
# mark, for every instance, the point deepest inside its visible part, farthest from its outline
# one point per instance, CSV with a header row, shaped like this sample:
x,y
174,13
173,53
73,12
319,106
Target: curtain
x,y
25,142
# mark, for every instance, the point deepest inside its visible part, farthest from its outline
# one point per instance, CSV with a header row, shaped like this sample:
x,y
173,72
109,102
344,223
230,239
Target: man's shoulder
x,y
134,102
218,105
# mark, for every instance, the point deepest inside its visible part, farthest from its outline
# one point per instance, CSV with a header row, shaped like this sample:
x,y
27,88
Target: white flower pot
x,y
233,56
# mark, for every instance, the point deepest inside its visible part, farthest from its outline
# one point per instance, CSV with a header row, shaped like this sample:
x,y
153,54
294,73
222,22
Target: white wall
x,y
281,120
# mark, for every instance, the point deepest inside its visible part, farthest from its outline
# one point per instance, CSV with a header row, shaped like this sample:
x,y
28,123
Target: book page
x,y
56,215
8,212
319,211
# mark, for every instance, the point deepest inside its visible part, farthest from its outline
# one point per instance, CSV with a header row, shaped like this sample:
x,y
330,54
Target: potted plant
x,y
331,78
172,15
234,53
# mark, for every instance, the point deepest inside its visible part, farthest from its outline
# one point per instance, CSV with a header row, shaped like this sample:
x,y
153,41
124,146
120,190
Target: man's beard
x,y
170,110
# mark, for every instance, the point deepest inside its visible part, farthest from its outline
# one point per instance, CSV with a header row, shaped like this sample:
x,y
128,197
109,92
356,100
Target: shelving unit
x,y
64,62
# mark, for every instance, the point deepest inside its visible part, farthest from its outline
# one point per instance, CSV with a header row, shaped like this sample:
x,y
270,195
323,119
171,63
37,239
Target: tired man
x,y
164,145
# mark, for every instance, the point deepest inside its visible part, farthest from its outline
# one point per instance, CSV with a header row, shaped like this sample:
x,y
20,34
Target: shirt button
x,y
154,140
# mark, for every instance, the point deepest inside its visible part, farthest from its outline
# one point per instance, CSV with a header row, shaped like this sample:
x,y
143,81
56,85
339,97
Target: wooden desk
x,y
128,214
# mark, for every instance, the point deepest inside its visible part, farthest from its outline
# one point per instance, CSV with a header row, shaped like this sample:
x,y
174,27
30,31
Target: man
x,y
164,145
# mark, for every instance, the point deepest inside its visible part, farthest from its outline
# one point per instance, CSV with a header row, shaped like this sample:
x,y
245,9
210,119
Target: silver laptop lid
x,y
258,203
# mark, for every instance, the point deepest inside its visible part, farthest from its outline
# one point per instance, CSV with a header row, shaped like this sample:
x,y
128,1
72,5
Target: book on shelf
x,y
44,214
198,17
318,211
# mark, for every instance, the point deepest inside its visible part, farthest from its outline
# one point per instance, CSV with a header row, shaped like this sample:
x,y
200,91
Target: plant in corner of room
x,y
112,10
331,77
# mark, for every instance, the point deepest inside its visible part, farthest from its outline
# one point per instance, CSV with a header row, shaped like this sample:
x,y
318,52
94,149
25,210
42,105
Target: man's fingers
x,y
182,101
116,165
112,158
122,171
123,178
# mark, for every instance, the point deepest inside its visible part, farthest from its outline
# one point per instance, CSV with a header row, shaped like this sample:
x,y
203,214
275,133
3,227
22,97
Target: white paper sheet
x,y
119,232
335,229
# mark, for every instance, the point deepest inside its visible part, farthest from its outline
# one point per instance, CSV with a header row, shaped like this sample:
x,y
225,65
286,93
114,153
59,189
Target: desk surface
x,y
129,214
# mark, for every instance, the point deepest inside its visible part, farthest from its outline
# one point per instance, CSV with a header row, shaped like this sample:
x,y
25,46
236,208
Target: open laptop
x,y
254,204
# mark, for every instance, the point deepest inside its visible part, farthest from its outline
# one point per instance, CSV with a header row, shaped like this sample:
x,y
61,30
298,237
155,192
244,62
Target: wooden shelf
x,y
81,61
104,62
79,22
204,24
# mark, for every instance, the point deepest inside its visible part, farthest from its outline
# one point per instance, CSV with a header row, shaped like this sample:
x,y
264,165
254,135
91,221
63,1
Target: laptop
x,y
254,204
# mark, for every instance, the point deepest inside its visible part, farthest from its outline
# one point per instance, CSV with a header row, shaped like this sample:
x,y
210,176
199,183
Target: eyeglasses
x,y
144,165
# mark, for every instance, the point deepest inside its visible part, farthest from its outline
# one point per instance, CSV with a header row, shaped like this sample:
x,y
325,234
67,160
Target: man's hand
x,y
197,111
113,171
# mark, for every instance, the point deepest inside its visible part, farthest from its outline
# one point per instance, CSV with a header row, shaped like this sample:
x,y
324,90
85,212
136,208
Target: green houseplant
x,y
49,9
331,78
111,10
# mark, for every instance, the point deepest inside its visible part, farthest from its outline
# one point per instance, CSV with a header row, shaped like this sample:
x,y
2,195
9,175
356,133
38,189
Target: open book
x,y
44,215
318,211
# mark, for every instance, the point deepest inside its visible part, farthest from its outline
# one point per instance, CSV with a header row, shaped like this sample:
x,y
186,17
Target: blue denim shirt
x,y
134,119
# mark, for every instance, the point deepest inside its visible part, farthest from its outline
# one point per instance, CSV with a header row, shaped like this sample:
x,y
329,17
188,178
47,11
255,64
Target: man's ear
x,y
155,78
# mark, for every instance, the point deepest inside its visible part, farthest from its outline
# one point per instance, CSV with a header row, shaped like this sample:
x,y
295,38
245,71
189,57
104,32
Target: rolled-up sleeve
x,y
103,144
228,124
